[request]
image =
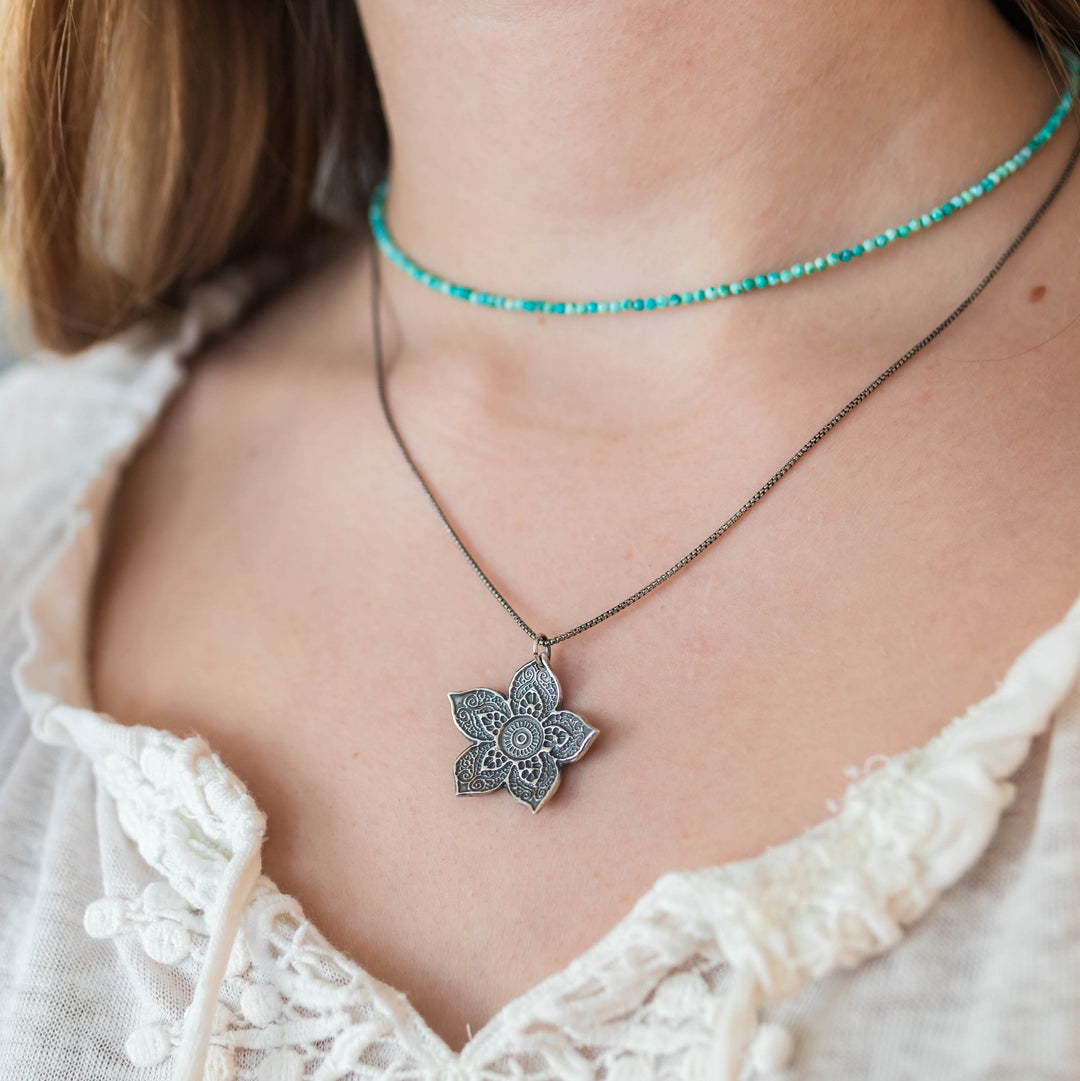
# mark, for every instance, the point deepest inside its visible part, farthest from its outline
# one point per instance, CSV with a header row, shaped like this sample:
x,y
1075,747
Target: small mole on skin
x,y
1038,293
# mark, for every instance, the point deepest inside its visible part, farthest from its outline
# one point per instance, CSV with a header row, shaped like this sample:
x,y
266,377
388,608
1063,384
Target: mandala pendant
x,y
520,740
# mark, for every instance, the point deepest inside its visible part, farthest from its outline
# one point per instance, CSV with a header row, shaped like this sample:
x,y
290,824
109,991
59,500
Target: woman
x,y
233,616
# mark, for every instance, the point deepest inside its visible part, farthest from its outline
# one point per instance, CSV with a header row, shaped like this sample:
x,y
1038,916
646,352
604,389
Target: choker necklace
x,y
522,739
785,276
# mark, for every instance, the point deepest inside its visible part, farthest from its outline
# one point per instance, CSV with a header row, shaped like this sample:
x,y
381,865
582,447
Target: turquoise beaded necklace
x,y
795,272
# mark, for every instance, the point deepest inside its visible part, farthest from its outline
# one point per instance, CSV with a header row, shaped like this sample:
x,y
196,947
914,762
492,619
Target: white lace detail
x,y
675,990
186,812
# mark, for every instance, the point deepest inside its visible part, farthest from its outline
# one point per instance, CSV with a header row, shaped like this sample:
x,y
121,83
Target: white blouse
x,y
928,928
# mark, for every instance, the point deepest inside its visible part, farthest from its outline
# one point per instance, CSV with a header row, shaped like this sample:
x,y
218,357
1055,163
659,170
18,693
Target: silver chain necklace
x,y
521,740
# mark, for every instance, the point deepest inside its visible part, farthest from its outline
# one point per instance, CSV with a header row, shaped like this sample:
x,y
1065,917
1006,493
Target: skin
x,y
274,579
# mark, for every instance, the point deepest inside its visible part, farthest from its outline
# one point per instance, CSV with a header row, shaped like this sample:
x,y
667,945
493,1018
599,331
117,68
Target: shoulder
x,y
63,420
255,399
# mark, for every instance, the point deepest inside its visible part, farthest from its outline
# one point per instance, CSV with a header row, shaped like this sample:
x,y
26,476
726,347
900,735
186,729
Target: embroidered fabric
x,y
681,988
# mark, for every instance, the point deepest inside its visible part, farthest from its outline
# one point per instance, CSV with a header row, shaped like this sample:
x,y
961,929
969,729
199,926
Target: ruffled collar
x,y
907,828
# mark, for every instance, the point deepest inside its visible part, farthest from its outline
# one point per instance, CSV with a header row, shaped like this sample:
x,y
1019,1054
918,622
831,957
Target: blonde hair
x,y
144,145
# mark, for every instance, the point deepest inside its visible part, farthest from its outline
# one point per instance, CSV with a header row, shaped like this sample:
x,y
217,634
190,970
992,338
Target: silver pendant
x,y
520,740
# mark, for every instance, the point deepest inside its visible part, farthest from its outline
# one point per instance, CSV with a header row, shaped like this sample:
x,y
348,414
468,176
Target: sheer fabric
x,y
928,928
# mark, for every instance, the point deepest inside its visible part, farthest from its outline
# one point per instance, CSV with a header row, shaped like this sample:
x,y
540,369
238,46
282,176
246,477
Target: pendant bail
x,y
541,643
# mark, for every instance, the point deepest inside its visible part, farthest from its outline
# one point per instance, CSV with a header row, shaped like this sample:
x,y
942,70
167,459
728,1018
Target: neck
x,y
588,150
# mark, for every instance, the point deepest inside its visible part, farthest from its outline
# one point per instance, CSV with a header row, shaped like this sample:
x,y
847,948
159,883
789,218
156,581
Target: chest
x,y
313,640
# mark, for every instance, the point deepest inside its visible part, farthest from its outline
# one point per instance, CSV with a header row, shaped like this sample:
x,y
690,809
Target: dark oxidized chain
x,y
541,642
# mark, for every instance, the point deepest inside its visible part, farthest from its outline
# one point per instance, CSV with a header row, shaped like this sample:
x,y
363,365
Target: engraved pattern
x,y
473,773
480,713
566,735
494,759
519,741
534,690
535,783
521,738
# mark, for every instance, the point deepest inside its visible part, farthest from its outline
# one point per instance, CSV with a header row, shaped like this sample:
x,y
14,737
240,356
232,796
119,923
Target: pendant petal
x,y
533,795
480,713
534,690
470,776
567,736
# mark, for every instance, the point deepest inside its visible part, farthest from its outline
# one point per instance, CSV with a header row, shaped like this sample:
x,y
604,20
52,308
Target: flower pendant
x,y
520,740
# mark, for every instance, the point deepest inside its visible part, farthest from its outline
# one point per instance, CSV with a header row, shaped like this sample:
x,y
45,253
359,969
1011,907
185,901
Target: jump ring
x,y
541,643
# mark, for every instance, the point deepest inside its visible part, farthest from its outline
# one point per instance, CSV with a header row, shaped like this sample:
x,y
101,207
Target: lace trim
x,y
680,980
291,1007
